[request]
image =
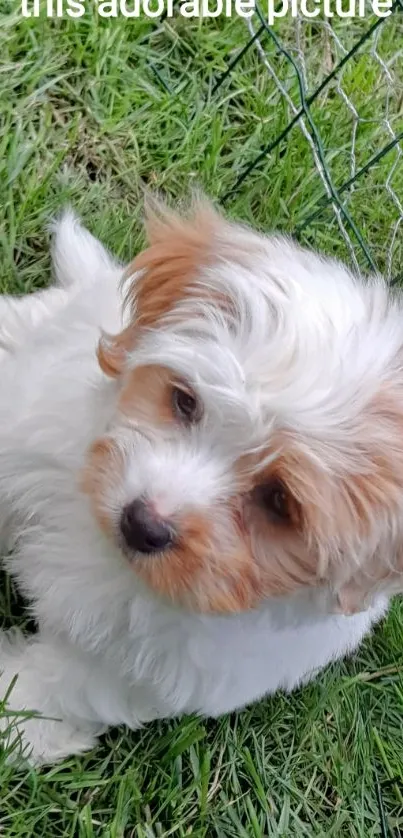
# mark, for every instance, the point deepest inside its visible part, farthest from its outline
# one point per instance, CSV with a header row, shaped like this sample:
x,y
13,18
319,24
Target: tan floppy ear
x,y
162,274
112,351
382,574
376,504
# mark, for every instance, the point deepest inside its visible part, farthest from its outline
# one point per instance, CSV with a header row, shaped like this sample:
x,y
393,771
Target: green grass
x,y
90,111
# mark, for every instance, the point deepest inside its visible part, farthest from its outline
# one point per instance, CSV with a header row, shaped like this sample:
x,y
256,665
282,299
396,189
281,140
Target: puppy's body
x,y
112,646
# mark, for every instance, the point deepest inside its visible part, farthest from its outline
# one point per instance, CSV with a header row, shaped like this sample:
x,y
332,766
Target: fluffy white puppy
x,y
203,501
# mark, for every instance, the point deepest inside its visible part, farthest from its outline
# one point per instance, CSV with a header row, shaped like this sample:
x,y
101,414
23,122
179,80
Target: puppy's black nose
x,y
143,531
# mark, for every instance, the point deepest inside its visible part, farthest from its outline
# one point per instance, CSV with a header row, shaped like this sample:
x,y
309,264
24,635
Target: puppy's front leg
x,y
46,715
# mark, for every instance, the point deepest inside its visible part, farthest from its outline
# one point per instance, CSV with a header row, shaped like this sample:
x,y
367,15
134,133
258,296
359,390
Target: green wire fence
x,y
309,64
302,116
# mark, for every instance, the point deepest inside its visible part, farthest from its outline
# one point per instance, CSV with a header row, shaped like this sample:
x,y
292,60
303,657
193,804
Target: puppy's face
x,y
257,442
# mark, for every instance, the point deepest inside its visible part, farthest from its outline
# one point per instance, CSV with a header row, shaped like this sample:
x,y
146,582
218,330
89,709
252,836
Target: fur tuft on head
x,y
179,245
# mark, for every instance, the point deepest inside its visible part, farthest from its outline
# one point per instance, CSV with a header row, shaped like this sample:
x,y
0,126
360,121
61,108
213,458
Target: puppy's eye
x,y
186,405
276,500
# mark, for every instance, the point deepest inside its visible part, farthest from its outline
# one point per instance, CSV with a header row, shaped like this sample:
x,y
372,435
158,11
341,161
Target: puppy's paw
x,y
39,741
33,725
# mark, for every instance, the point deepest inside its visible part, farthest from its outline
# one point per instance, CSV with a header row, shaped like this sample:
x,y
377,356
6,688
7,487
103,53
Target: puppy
x,y
201,477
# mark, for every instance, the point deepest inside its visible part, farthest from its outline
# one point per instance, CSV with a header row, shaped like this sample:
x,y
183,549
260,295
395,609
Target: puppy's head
x,y
257,442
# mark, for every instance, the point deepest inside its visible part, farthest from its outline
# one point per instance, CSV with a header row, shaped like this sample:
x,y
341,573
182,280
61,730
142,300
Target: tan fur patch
x,y
376,496
201,573
288,558
147,395
353,511
163,275
103,470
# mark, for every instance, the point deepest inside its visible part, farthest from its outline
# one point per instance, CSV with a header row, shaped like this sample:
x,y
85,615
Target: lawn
x,y
91,110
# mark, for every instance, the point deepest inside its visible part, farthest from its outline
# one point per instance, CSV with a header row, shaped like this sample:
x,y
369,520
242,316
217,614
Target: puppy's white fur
x,y
309,347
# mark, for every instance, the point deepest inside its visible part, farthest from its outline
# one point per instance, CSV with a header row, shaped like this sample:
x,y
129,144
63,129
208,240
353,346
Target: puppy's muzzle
x,y
143,530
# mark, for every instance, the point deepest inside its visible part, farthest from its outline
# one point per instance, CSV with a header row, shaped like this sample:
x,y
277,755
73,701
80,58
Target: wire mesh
x,y
384,122
339,84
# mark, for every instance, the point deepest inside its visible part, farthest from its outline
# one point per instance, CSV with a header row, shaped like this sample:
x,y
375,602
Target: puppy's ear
x,y
78,258
375,499
180,244
382,573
